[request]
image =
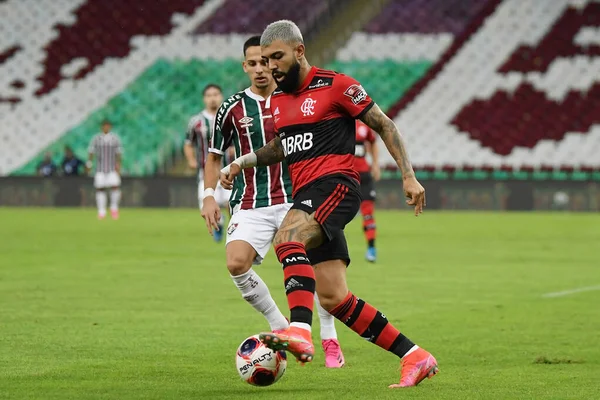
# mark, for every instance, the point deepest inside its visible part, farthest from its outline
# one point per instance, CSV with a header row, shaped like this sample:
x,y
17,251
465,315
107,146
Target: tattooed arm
x,y
385,127
269,154
391,136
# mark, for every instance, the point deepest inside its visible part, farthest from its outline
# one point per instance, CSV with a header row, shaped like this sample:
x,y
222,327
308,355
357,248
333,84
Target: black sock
x,y
371,243
401,346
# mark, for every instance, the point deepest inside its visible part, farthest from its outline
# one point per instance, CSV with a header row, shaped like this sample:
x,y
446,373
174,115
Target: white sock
x,y
327,322
255,291
415,347
302,325
115,196
101,202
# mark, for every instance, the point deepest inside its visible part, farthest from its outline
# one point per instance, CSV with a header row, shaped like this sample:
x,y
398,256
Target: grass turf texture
x,y
143,308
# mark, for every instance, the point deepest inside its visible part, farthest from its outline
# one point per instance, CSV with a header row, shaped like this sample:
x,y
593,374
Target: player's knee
x,y
238,265
330,299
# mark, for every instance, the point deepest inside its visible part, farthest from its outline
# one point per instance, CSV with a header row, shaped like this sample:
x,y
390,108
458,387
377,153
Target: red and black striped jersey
x,y
316,125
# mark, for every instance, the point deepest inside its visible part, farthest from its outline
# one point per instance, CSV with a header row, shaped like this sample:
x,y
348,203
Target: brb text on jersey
x,y
316,125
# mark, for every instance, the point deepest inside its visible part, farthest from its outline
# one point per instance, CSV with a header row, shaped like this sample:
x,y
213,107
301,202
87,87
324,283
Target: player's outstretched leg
x,y
364,319
370,323
254,290
101,201
367,209
334,358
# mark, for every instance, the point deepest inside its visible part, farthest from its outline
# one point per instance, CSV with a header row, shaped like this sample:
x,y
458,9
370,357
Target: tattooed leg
x,y
299,226
298,231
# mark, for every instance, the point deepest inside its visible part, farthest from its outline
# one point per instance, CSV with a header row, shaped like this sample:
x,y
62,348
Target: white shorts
x,y
221,194
257,227
103,180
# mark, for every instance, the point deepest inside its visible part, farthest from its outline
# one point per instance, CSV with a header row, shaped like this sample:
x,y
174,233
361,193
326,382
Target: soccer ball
x,y
257,364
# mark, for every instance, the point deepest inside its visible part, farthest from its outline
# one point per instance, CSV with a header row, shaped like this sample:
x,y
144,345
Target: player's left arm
x,y
391,136
354,101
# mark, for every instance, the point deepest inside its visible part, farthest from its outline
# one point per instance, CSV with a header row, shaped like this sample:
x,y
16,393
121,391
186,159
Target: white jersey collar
x,y
253,95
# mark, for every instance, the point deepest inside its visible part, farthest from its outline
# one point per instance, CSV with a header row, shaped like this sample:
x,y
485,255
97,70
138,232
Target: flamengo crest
x,y
308,107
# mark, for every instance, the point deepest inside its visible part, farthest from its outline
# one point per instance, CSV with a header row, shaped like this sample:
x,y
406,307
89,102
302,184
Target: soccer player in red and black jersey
x,y
369,174
314,113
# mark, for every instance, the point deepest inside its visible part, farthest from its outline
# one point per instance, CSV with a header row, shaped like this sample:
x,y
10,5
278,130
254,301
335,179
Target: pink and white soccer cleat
x,y
334,358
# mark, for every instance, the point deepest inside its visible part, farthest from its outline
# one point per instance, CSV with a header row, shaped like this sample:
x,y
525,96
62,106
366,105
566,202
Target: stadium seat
x,y
469,91
541,105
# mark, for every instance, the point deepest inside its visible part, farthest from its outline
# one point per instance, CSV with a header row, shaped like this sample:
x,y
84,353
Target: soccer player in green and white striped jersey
x,y
261,196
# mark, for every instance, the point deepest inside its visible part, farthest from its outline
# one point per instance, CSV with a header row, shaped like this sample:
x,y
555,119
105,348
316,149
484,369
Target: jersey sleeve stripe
x,y
216,151
365,110
217,137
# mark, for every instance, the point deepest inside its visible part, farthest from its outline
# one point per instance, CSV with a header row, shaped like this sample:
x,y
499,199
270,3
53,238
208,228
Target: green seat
x,y
385,80
151,114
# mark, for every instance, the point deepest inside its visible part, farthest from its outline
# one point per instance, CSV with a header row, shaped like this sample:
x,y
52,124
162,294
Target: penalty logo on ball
x,y
257,364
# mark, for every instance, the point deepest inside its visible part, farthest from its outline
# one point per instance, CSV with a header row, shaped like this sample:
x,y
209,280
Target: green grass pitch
x,y
143,308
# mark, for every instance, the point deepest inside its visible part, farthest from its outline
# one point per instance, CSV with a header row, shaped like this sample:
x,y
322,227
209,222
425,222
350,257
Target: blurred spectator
x,y
71,165
46,167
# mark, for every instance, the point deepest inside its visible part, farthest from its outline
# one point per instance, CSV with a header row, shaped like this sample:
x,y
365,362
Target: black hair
x,y
106,121
253,41
211,86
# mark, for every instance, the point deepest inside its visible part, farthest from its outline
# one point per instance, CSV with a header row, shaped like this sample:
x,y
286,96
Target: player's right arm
x,y
271,153
220,141
188,146
211,212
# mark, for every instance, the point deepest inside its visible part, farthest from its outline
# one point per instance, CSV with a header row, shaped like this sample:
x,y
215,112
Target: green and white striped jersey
x,y
244,121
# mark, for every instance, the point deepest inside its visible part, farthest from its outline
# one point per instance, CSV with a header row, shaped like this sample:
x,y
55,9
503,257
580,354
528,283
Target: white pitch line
x,y
572,291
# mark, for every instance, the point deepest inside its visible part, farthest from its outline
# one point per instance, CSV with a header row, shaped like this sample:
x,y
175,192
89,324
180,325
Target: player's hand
x,y
193,164
415,193
211,213
118,169
376,172
228,174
